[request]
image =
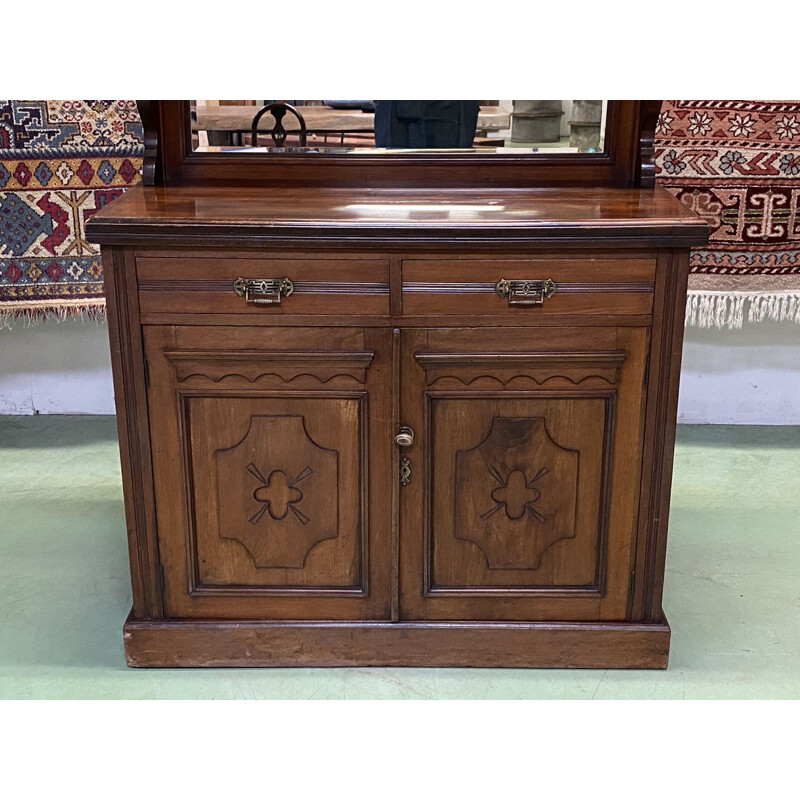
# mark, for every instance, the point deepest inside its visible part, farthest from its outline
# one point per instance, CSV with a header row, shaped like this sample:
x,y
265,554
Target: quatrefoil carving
x,y
278,494
516,494
539,510
277,491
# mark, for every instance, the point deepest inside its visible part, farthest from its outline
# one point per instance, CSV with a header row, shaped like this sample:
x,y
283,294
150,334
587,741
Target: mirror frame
x,y
627,159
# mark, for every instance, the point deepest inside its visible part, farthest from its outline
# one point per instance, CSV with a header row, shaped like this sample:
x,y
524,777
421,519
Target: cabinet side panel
x,y
128,367
661,420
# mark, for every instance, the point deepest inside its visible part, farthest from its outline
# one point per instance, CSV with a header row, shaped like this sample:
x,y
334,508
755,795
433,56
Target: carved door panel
x,y
522,501
271,459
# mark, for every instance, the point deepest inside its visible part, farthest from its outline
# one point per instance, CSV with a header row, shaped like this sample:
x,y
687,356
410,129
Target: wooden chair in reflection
x,y
278,132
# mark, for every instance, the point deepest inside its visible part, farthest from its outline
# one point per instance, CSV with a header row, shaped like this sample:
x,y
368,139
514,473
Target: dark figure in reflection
x,y
425,123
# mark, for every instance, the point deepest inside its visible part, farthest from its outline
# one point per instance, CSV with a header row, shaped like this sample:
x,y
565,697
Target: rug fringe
x,y
703,310
727,309
95,312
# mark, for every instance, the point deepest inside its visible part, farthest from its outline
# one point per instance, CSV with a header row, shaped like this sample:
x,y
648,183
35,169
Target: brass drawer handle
x,y
525,293
263,291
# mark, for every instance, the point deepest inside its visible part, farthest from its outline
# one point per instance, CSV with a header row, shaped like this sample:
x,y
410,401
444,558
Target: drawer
x,y
602,285
205,285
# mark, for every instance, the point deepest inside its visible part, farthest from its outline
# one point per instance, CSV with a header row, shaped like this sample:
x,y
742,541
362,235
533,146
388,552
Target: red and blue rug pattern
x,y
736,163
60,162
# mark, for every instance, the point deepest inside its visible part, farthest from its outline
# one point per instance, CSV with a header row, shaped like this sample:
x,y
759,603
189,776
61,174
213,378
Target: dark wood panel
x,y
479,339
662,413
517,492
575,367
432,301
580,268
228,267
250,644
253,365
230,339
265,321
262,484
278,490
269,472
626,160
133,426
585,285
242,216
486,423
198,285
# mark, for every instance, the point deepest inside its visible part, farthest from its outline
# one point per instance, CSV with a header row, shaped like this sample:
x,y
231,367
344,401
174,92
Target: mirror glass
x,y
510,127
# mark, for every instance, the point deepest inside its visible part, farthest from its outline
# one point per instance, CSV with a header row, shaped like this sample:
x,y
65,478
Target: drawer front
x,y
205,285
602,285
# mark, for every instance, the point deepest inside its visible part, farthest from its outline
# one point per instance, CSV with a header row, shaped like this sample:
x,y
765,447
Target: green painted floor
x,y
732,588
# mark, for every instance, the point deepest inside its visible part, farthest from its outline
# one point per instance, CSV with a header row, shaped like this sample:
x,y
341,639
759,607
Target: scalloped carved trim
x,y
541,368
253,365
469,381
262,375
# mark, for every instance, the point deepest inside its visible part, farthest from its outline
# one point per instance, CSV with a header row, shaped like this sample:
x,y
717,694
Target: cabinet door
x,y
271,454
523,493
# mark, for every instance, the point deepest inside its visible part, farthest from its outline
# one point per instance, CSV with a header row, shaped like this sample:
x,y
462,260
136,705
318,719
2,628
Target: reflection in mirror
x,y
515,127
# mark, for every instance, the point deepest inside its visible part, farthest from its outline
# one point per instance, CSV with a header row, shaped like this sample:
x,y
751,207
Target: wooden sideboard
x,y
435,427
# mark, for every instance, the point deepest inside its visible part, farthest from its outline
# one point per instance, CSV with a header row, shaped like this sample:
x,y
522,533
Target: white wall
x,y
54,368
746,377
750,376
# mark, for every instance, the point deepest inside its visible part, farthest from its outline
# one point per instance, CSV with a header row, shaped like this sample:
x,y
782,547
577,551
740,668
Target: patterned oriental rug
x,y
737,163
60,162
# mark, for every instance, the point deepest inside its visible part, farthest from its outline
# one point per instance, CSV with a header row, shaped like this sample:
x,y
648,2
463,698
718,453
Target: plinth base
x,y
214,643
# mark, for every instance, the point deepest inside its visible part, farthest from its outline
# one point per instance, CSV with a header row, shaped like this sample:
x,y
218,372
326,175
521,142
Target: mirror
x,y
375,127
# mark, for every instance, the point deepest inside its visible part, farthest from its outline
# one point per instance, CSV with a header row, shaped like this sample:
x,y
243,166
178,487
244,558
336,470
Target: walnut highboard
x,y
420,413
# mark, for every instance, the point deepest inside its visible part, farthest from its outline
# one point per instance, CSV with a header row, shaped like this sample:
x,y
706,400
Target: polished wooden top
x,y
320,118
243,214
